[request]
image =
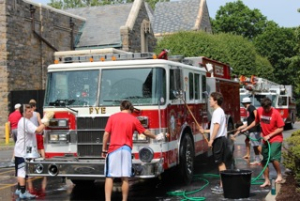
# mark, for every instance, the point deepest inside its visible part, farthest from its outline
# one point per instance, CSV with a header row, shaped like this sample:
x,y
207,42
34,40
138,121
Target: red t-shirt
x,y
14,118
269,122
121,127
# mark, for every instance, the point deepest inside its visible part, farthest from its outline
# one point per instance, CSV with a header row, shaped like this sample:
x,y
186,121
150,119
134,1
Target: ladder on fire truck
x,y
258,84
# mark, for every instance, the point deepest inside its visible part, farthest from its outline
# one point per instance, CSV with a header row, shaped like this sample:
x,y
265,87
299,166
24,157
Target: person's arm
x,y
276,132
105,141
149,134
40,128
214,134
249,127
238,130
39,118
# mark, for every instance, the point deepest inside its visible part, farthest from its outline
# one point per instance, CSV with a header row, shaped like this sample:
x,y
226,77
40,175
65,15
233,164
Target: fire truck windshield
x,y
78,88
142,86
256,98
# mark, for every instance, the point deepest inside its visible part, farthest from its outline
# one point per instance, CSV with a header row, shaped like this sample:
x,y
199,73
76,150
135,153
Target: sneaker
x,y
218,191
26,195
17,192
216,188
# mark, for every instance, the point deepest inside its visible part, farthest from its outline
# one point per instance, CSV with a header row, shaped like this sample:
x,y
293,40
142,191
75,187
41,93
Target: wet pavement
x,y
168,187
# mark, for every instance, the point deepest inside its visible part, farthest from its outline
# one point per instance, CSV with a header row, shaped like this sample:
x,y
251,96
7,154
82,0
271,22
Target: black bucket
x,y
236,183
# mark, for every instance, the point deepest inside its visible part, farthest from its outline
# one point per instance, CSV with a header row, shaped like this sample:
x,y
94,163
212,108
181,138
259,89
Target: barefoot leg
x,y
267,180
265,184
278,170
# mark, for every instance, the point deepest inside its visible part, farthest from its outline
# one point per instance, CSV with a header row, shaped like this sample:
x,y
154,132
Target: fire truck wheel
x,y
187,155
289,126
82,182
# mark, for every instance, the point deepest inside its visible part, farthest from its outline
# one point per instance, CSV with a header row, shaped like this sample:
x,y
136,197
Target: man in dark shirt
x,y
254,133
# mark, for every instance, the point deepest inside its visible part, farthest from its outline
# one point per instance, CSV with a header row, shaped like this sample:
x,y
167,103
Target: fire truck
x,y
85,87
281,96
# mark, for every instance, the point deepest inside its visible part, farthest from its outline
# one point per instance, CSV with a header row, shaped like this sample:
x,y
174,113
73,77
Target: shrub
x,y
292,154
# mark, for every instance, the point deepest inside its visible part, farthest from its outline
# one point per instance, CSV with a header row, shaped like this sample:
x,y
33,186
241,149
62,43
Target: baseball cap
x,y
18,105
246,100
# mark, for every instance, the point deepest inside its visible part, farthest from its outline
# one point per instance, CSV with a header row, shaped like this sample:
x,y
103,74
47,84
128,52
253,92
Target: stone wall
x,y
24,57
131,37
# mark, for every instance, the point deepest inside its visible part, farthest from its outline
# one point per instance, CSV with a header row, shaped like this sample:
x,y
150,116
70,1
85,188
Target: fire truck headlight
x,y
62,123
39,168
62,137
146,154
54,137
58,123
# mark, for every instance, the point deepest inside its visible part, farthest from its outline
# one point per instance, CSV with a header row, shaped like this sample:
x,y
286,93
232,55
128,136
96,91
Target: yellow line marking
x,y
8,185
7,172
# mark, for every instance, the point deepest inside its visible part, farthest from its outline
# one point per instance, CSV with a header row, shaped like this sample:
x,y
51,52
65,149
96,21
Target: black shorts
x,y
219,147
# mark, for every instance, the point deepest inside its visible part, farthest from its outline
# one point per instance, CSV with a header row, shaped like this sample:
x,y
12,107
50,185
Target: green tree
x,y
237,51
237,18
278,45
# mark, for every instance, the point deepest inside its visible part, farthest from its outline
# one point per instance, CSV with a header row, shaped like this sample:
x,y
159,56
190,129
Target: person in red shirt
x,y
13,119
272,125
120,128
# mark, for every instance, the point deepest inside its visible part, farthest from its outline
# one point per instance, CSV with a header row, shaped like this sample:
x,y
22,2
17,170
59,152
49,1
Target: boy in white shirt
x,y
26,138
218,132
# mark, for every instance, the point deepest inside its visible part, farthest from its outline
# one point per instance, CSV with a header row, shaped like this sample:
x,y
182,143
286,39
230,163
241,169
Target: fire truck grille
x,y
90,135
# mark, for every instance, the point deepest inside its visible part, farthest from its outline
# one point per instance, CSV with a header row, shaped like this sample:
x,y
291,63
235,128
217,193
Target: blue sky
x,y
283,12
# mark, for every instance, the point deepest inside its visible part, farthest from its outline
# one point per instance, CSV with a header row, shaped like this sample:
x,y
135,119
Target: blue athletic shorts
x,y
119,163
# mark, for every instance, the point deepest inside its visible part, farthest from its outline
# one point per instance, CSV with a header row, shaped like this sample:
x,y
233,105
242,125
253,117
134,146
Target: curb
x,y
271,197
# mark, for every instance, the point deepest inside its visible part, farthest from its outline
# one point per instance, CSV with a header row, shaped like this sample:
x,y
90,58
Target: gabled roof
x,y
176,16
102,27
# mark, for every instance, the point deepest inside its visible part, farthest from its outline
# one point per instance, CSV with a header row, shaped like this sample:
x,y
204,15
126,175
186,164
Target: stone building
x,y
121,26
182,15
30,33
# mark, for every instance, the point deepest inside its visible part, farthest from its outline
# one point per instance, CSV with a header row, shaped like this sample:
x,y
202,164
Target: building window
x,y
145,31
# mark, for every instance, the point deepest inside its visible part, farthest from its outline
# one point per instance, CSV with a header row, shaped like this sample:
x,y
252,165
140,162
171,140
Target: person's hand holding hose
x,y
267,137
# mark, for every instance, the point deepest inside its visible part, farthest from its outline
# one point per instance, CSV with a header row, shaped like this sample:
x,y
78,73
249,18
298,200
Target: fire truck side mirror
x,y
176,93
205,94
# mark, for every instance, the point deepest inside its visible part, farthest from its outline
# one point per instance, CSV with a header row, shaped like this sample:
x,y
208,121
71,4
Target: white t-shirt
x,y
26,137
220,118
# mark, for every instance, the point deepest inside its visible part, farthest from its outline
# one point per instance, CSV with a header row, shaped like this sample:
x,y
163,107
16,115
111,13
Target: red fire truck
x,y
257,88
85,87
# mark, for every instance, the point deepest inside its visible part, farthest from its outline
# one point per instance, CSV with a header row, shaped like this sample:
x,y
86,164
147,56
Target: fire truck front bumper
x,y
80,168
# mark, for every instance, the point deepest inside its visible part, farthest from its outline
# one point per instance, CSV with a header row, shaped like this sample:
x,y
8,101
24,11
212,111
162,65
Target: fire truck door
x,y
211,86
175,107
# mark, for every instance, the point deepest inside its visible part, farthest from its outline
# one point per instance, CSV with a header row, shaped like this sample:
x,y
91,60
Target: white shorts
x,y
256,136
119,163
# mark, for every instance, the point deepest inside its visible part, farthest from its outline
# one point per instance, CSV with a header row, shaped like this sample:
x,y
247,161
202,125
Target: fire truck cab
x,y
85,87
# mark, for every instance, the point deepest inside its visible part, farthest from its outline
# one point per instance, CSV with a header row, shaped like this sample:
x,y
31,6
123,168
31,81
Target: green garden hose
x,y
201,177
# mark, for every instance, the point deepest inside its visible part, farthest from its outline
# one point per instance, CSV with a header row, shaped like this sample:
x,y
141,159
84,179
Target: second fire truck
x,y
85,87
281,96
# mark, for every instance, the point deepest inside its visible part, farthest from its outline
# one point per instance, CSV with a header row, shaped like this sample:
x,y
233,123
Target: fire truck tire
x,y
187,156
82,182
289,126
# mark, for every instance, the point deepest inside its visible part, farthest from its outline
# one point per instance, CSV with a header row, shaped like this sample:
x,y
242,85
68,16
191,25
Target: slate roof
x,y
175,16
102,25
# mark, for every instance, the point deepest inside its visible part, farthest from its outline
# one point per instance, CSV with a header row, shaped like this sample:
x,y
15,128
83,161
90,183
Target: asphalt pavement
x,y
155,189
